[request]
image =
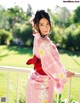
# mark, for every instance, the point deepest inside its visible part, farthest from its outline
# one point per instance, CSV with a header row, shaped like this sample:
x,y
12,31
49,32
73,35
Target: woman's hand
x,y
70,74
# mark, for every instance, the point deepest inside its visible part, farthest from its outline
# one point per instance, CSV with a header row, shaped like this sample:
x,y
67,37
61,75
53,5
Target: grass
x,y
17,56
70,60
14,56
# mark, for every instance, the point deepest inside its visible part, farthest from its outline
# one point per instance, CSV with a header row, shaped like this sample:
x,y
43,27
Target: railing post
x,y
69,90
58,98
17,95
79,97
8,84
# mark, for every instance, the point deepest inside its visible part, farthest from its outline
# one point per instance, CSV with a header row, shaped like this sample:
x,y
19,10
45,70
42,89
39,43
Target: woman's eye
x,y
47,24
41,24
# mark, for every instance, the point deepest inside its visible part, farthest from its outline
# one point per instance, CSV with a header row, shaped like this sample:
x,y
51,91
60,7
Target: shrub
x,y
5,36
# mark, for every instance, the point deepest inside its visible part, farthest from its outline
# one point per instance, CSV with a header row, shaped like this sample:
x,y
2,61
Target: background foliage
x,y
18,30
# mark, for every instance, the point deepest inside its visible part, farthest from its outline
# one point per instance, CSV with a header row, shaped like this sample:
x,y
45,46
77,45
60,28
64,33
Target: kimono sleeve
x,y
52,66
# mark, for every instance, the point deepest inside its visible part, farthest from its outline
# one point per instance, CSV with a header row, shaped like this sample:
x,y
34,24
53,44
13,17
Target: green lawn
x,y
14,56
17,56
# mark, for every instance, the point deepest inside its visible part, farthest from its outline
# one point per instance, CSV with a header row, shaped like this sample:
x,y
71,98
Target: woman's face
x,y
44,26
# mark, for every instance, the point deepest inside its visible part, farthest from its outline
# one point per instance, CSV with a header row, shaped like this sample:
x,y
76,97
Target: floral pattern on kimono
x,y
48,53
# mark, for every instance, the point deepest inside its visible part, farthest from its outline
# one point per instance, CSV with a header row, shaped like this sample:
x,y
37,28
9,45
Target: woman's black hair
x,y
39,15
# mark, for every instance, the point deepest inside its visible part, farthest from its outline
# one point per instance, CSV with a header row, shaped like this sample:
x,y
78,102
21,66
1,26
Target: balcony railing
x,y
18,70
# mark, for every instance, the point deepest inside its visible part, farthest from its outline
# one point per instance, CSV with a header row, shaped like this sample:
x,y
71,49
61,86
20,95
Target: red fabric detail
x,y
32,60
37,65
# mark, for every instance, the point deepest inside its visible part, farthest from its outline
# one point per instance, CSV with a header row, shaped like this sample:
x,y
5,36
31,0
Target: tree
x,y
29,11
24,33
62,15
14,15
76,17
2,17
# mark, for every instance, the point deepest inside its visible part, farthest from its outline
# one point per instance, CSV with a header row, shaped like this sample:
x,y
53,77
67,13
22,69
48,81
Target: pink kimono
x,y
40,88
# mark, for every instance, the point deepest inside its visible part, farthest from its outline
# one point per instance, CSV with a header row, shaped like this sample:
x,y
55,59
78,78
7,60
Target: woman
x,y
48,74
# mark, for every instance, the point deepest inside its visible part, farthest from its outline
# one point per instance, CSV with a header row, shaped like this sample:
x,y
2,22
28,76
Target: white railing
x,y
9,69
77,75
